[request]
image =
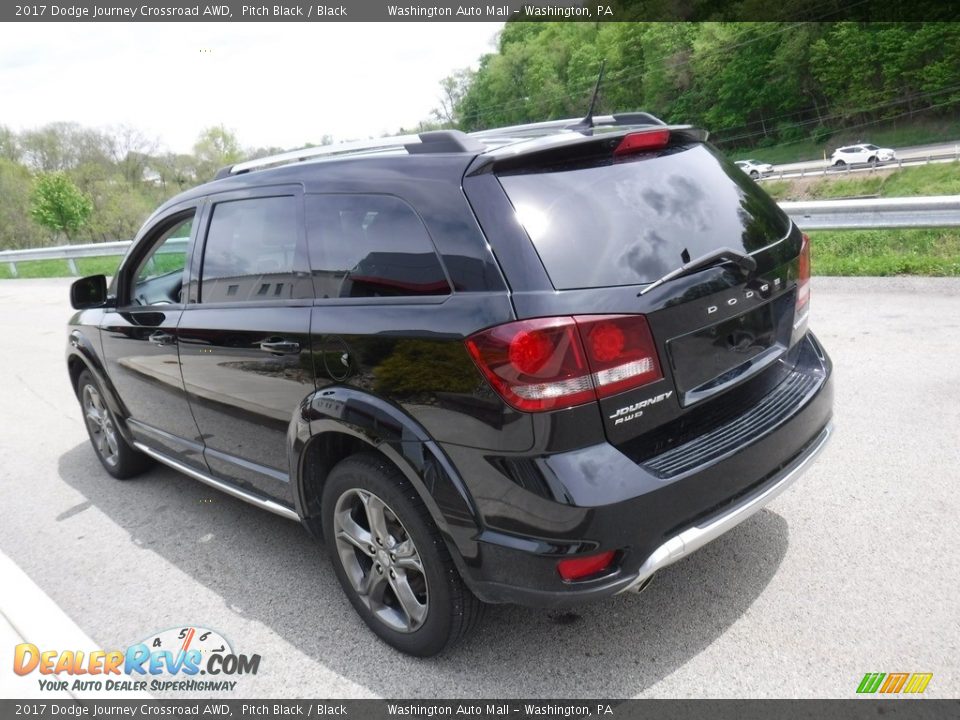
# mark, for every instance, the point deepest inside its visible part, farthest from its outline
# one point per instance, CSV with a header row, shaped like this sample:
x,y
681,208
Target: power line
x,y
613,77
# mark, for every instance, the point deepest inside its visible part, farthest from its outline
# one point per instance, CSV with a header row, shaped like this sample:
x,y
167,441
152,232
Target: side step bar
x,y
260,502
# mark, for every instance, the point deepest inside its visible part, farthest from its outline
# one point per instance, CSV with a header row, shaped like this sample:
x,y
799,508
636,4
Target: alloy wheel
x,y
381,560
102,430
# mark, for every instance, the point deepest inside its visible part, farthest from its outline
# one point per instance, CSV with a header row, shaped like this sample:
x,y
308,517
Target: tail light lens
x,y
803,279
620,352
581,567
552,363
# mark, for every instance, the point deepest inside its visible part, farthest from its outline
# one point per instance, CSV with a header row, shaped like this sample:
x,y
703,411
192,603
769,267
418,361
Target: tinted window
x,y
604,223
370,246
158,278
250,251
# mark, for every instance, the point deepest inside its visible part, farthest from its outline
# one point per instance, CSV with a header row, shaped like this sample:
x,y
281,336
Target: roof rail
x,y
615,120
435,141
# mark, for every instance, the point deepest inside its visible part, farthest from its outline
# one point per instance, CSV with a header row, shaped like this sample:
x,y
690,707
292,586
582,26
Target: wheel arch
x,y
334,423
81,355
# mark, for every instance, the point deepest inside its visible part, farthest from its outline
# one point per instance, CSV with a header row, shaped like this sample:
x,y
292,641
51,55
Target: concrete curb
x,y
32,616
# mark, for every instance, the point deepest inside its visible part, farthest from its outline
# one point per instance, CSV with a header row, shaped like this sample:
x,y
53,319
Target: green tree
x,y
16,229
453,88
215,148
9,147
64,145
58,205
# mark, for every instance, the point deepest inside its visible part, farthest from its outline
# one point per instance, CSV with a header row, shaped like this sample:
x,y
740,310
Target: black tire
x,y
839,163
117,456
872,161
449,610
754,174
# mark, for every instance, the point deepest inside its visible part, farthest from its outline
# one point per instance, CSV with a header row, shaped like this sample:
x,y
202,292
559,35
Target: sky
x,y
273,84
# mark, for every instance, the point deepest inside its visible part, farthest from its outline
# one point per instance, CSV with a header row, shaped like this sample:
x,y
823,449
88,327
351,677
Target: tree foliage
x,y
215,148
89,185
750,83
59,205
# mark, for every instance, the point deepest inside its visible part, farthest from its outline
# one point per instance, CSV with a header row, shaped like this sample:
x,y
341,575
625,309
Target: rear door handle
x,y
160,338
281,347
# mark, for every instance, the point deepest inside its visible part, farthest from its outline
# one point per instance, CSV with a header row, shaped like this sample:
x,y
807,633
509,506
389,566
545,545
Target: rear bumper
x,y
603,500
708,529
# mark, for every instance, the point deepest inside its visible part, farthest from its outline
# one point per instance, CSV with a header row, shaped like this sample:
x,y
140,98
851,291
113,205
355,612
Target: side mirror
x,y
89,292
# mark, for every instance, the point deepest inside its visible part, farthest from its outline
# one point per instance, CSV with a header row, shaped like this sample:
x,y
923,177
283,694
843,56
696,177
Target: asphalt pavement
x,y
853,570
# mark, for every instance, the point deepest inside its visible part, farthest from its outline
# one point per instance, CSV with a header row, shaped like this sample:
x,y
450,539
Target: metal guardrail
x,y
856,214
70,253
875,213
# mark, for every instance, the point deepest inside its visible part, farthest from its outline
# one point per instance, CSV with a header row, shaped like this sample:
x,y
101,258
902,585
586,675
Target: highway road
x,y
916,152
853,570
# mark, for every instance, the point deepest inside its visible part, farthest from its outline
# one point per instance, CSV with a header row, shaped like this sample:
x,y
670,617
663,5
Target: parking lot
x,y
853,570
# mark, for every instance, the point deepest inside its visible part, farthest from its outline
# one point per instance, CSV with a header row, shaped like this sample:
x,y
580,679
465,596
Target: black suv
x,y
530,365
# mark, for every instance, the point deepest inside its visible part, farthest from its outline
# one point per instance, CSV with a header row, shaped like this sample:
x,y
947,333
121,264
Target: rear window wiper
x,y
716,257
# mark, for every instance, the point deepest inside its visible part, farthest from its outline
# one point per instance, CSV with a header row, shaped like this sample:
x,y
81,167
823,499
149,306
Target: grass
x,y
886,252
59,268
895,135
936,179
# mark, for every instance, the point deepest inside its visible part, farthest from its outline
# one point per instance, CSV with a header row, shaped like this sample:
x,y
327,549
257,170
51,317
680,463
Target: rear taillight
x,y
803,279
553,363
642,141
620,352
585,566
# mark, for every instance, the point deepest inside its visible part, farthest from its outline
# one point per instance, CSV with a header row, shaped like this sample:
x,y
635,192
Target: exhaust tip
x,y
639,588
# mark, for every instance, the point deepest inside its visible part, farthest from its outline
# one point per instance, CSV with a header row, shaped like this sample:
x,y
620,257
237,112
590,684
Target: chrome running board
x,y
236,492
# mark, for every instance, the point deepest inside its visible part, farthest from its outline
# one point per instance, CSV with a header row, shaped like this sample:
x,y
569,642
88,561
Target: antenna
x,y
587,122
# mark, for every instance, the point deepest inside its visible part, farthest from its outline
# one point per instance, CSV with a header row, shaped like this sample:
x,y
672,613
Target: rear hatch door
x,y
606,228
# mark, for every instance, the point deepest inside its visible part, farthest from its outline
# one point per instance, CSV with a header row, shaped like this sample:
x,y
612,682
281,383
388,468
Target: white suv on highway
x,y
862,153
755,168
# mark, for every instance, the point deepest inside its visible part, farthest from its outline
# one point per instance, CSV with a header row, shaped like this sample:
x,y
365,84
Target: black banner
x,y
509,10
854,709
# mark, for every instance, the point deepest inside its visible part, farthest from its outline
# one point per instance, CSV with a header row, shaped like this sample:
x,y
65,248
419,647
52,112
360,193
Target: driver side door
x,y
140,343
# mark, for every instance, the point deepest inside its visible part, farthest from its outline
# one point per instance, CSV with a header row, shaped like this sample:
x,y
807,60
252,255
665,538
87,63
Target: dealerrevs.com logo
x,y
180,659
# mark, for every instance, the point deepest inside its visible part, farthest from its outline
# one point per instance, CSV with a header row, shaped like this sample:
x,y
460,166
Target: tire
x,y
117,456
872,162
754,174
437,608
839,163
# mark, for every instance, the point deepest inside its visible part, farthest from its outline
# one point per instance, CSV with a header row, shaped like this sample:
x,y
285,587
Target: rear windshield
x,y
627,223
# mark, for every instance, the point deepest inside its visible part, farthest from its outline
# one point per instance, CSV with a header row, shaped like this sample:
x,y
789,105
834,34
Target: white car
x,y
755,168
862,153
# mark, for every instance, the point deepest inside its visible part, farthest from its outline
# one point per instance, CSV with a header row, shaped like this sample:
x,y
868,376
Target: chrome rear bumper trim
x,y
694,538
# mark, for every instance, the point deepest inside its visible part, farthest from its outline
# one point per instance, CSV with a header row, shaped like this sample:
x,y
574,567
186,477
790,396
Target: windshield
x,y
625,223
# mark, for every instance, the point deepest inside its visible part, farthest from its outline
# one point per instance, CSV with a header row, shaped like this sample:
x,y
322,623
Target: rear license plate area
x,y
713,358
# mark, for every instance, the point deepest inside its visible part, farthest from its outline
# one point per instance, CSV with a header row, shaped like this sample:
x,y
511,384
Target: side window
x,y
158,278
370,246
250,251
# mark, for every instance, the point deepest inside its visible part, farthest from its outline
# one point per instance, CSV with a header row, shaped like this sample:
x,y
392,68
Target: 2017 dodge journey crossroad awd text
x,y
528,365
